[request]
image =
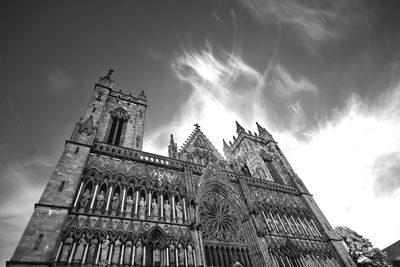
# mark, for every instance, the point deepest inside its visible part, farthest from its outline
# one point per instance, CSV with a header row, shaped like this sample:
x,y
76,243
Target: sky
x,y
321,76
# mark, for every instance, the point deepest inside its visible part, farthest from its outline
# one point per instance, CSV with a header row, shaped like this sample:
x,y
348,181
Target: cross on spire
x,y
197,126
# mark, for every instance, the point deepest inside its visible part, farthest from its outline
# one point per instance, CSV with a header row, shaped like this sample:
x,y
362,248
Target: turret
x,y
106,80
226,147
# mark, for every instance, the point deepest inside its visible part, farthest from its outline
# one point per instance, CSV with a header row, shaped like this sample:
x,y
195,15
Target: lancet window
x,y
119,118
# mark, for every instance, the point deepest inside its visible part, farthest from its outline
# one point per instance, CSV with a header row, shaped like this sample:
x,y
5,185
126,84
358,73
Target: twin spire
x,y
262,133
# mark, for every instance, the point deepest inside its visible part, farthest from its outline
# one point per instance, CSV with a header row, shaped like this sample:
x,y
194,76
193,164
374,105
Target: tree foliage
x,y
361,249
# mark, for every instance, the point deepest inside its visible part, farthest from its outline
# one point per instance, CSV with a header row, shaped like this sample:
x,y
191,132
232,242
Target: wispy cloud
x,y
59,80
319,20
151,52
339,160
286,86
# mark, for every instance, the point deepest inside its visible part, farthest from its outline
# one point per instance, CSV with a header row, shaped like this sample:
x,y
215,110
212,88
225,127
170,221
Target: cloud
x,y
59,80
387,171
151,53
220,87
338,160
319,20
286,86
350,158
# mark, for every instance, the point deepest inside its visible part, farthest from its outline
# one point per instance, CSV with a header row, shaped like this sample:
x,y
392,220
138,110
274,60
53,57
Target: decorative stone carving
x,y
80,249
100,202
92,250
167,210
117,251
105,246
139,252
85,200
115,204
128,209
142,208
154,207
67,246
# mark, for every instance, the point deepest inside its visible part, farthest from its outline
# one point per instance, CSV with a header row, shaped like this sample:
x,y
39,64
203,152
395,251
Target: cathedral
x,y
108,203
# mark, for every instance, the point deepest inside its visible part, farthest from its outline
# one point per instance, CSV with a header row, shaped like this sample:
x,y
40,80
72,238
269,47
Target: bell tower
x,y
111,117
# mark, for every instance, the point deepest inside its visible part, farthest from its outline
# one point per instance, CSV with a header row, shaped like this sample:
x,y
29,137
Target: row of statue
x,y
115,255
129,206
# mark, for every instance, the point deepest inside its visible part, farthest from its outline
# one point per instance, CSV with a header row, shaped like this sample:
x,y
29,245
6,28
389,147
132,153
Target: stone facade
x,y
110,203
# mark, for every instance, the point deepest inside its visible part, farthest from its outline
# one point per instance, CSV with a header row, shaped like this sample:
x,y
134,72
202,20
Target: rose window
x,y
219,220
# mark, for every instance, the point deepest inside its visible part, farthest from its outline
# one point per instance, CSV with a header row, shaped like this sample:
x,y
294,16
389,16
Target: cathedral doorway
x,y
156,242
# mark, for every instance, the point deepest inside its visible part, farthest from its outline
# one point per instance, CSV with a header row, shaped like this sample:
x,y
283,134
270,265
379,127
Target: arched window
x,y
119,118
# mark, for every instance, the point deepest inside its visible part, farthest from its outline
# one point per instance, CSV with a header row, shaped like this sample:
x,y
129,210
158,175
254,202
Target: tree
x,y
361,249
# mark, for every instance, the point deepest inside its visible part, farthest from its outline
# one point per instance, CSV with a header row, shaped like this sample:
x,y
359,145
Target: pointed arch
x,y
117,126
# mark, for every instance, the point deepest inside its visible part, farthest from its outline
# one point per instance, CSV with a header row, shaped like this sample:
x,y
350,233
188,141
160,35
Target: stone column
x,y
280,220
72,253
97,255
290,226
176,257
133,254
316,229
266,221
226,257
273,220
85,254
110,253
194,258
173,208
79,193
309,227
123,201
136,202
162,207
58,251
184,210
121,255
149,209
167,250
186,259
93,198
109,197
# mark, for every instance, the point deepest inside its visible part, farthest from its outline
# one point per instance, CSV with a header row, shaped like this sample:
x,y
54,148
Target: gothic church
x,y
109,203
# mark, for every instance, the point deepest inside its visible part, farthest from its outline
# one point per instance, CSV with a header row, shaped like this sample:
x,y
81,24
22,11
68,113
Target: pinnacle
x,y
239,128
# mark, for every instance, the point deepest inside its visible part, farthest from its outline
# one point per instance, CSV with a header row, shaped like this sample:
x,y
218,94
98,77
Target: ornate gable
x,y
198,143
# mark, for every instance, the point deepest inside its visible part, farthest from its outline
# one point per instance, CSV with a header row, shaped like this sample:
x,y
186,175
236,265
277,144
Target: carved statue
x,y
104,249
181,255
171,253
92,250
167,210
139,252
80,249
115,203
154,206
117,251
189,249
127,253
67,248
142,208
85,200
178,209
100,201
129,204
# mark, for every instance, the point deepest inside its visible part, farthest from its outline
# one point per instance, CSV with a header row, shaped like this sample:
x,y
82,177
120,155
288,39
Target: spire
x,y
239,128
142,95
106,80
226,147
172,148
263,133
